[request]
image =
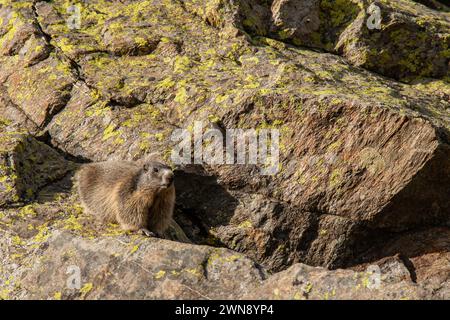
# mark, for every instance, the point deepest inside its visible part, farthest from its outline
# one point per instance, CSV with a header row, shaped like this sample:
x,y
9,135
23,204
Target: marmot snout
x,y
140,196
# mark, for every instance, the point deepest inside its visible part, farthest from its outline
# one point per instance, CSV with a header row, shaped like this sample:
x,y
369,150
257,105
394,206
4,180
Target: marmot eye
x,y
155,169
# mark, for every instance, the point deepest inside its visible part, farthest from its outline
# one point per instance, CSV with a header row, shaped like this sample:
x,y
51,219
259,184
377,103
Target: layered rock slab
x,y
124,267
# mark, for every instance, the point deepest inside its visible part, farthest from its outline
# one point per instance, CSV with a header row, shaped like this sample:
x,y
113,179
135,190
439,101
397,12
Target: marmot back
x,y
140,196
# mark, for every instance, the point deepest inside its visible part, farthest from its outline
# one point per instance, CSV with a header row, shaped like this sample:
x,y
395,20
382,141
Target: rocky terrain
x,y
360,206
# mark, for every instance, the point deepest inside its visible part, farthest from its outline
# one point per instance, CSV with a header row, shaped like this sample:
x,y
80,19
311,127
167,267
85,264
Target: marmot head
x,y
155,175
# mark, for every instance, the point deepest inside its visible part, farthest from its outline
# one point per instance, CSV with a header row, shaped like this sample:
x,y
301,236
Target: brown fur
x,y
110,191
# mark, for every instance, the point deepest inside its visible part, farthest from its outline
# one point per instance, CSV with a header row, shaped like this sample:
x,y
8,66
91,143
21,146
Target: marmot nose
x,y
168,178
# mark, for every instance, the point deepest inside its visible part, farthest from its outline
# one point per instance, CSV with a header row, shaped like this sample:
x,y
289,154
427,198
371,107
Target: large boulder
x,y
355,159
59,264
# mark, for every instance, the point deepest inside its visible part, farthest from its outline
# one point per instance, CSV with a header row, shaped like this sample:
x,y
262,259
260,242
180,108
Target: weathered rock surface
x,y
122,267
27,165
410,40
364,169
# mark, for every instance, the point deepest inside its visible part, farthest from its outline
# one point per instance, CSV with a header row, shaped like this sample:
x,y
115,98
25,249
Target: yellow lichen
x,y
245,224
134,249
159,274
86,289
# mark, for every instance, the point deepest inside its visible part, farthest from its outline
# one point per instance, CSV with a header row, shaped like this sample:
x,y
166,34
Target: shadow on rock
x,y
201,203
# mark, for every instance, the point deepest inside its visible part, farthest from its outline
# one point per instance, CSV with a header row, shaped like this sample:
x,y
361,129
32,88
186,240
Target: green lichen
x,y
340,11
335,178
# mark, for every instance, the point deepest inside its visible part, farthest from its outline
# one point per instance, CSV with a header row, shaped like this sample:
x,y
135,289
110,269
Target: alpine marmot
x,y
138,195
